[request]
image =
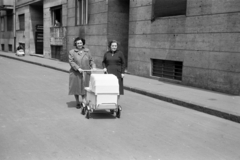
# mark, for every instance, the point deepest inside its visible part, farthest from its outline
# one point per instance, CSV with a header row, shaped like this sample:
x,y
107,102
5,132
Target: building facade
x,y
195,43
189,42
6,26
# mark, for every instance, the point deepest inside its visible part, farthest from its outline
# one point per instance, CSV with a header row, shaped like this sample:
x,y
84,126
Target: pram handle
x,y
89,70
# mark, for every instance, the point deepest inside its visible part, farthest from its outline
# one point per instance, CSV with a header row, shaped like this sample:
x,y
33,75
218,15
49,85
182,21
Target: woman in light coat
x,y
79,59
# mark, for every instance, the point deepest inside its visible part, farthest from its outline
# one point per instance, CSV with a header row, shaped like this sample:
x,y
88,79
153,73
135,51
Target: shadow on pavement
x,y
71,104
102,114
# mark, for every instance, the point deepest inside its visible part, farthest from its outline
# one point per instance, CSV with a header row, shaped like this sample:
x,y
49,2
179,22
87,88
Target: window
x,y
56,52
81,12
10,47
56,16
21,22
2,45
10,20
167,8
167,69
2,24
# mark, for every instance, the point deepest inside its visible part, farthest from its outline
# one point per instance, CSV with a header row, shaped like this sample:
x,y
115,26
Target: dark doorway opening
x,y
36,10
118,23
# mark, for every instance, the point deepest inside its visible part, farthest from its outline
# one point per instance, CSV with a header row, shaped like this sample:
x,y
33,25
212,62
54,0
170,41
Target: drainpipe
x,y
14,25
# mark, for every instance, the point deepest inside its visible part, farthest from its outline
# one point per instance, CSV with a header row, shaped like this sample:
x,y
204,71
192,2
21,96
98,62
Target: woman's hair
x,y
110,43
77,39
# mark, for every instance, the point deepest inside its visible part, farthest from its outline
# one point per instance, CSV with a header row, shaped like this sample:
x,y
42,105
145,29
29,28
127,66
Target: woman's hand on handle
x,y
105,70
80,70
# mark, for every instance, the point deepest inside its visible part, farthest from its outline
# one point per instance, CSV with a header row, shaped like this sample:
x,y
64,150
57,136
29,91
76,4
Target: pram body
x,y
102,94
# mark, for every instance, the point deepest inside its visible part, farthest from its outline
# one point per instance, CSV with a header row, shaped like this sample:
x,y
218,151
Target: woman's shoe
x,y
78,106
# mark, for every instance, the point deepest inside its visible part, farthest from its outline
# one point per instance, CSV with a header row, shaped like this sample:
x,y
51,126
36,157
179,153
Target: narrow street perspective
x,y
164,79
38,120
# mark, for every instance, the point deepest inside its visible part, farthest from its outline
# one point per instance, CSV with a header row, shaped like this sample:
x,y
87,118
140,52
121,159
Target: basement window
x,y
167,69
2,46
167,8
56,52
10,47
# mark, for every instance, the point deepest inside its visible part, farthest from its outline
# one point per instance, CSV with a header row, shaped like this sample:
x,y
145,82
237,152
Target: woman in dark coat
x,y
79,59
114,63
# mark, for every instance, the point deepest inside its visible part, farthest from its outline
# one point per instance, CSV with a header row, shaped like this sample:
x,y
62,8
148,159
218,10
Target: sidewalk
x,y
217,104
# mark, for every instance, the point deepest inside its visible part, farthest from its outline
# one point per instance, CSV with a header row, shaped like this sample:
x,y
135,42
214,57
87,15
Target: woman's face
x,y
79,44
114,46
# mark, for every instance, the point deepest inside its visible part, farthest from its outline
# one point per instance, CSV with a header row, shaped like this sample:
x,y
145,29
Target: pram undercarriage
x,y
102,94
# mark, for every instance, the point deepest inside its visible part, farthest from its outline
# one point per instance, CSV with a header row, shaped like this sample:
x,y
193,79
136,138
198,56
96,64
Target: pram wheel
x,y
83,109
88,114
118,114
78,106
111,111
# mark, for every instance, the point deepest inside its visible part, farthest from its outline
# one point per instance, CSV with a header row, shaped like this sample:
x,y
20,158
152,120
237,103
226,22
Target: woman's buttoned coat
x,y
114,62
79,58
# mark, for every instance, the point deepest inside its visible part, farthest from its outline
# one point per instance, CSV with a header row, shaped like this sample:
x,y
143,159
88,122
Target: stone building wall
x,y
6,37
23,36
33,15
206,40
95,32
47,5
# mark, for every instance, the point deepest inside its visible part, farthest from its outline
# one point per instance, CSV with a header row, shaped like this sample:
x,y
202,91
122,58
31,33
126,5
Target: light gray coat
x,y
79,59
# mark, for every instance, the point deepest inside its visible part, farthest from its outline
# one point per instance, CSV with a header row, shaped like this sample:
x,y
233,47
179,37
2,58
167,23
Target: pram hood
x,y
104,83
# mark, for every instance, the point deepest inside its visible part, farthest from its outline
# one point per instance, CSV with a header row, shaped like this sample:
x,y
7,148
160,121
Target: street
x,y
39,121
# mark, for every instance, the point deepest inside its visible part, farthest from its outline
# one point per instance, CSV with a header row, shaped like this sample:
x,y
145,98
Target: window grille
x,y
56,52
81,12
167,69
167,8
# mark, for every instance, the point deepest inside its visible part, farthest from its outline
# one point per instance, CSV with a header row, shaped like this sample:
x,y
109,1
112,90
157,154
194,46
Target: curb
x,y
188,105
36,63
185,104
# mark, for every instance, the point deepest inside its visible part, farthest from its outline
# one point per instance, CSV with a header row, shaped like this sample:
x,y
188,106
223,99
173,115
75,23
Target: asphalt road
x,y
39,121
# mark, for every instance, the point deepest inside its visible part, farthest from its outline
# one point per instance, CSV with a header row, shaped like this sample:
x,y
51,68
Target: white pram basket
x,y
102,94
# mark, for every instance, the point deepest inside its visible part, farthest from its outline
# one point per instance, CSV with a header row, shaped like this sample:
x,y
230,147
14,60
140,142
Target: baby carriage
x,y
102,94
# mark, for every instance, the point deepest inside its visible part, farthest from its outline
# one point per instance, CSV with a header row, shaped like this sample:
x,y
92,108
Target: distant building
x,y
189,42
6,25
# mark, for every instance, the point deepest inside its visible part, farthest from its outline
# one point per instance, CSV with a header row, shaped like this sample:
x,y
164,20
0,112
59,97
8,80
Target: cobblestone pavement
x,y
39,121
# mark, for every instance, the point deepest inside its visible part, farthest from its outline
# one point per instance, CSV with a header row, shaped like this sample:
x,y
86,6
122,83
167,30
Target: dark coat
x,y
79,59
114,62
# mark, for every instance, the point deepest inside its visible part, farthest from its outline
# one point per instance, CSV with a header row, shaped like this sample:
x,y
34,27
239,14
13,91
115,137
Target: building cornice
x,y
27,3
